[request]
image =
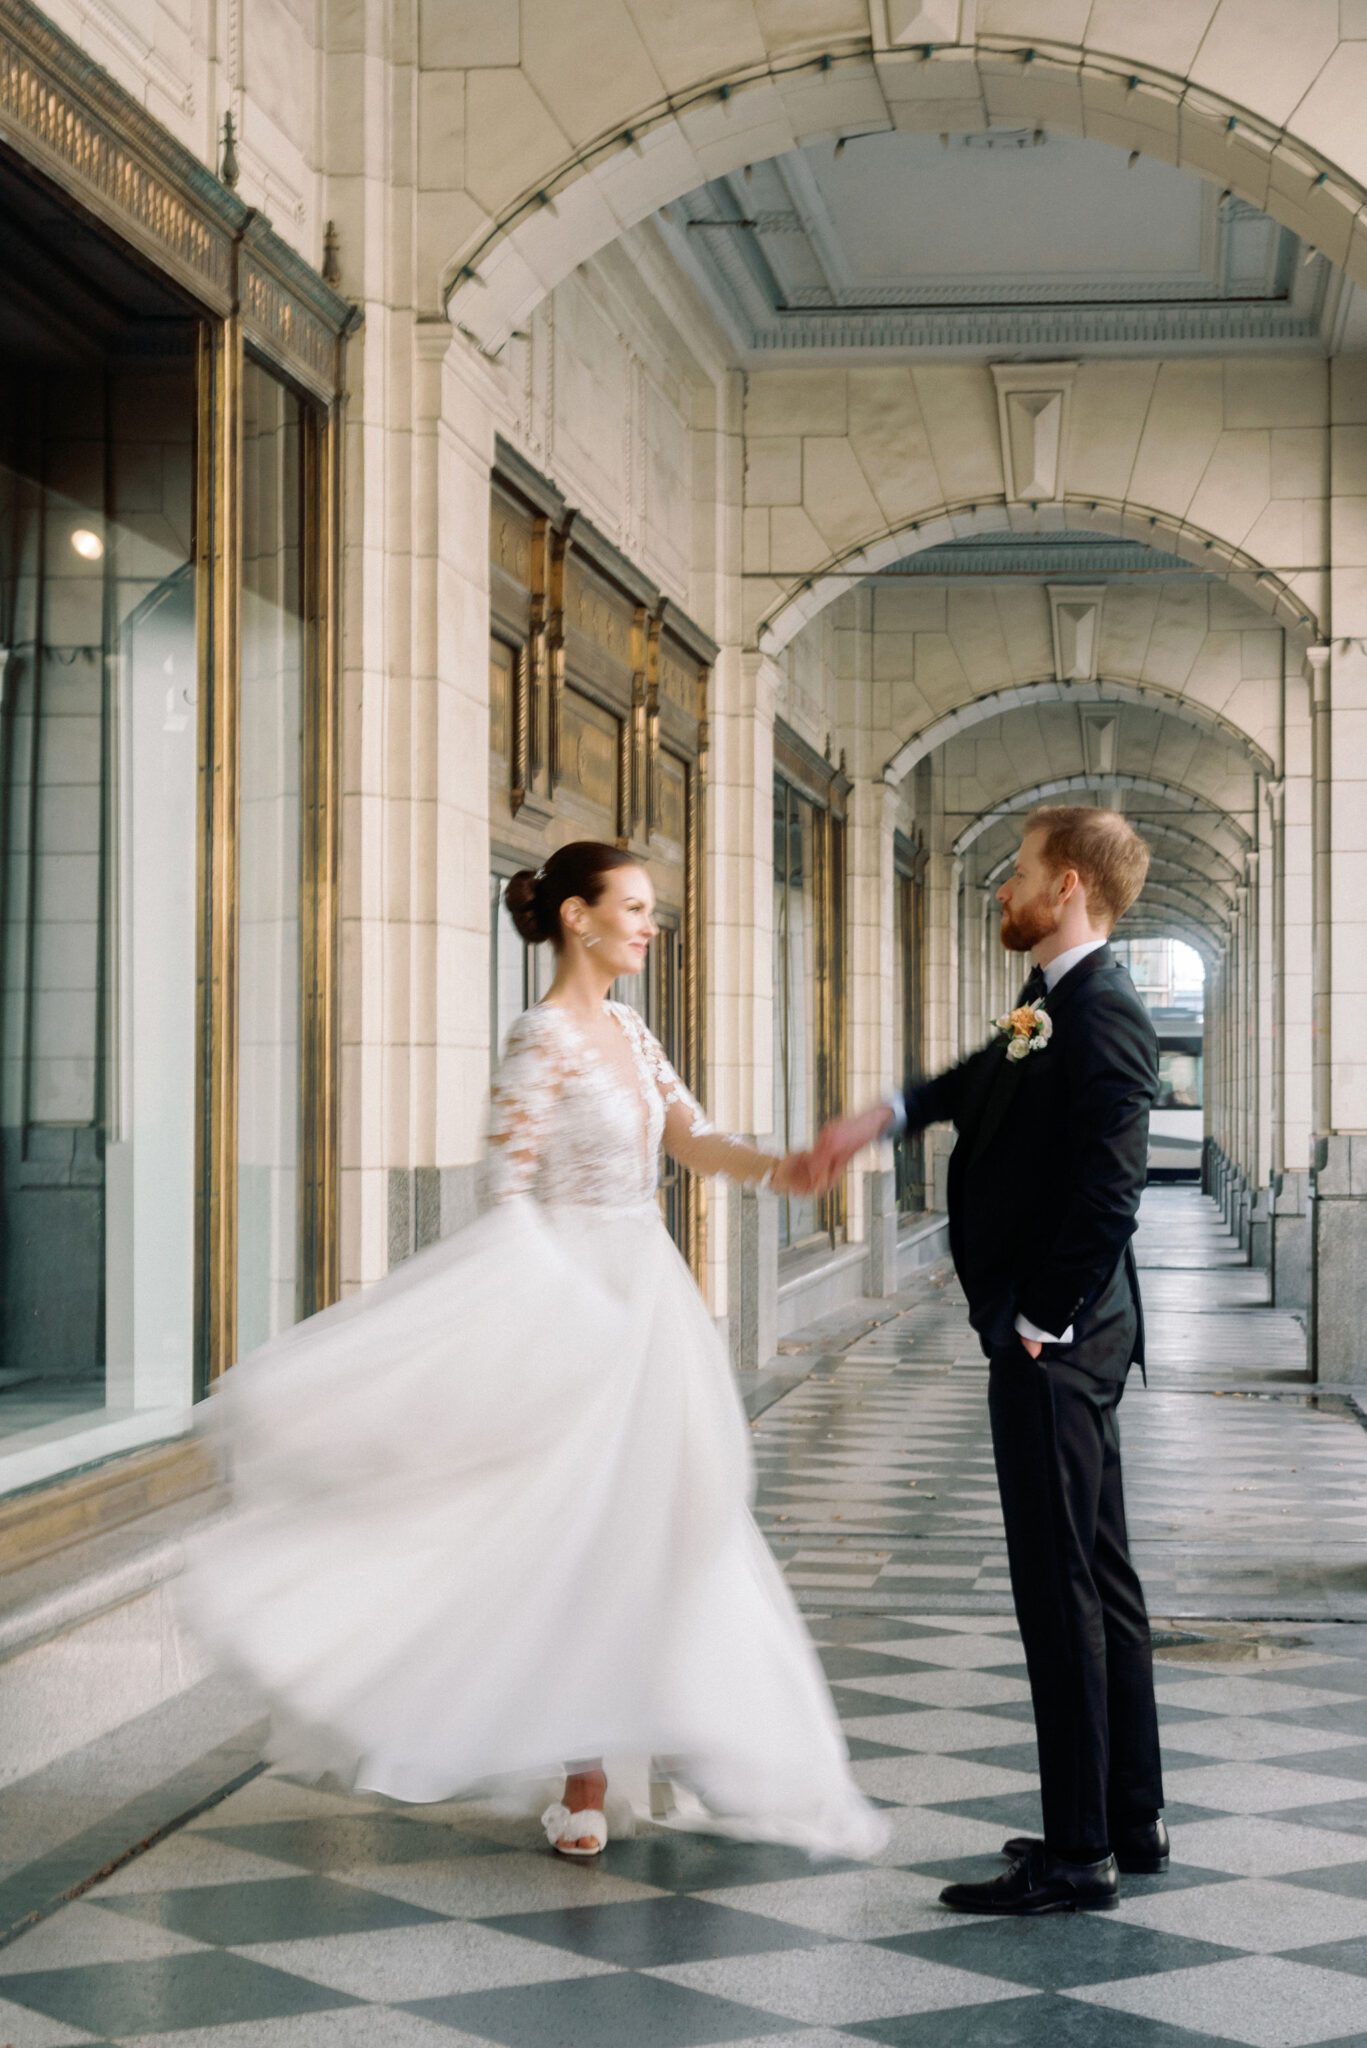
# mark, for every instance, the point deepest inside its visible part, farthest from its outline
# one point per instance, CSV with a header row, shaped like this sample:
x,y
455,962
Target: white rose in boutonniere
x,y
1028,1029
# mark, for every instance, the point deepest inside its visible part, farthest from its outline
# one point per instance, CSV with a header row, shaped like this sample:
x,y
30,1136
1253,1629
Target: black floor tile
x,y
704,1863
974,1869
1337,1955
1345,1880
276,1909
621,2011
1344,1816
1031,2023
1324,1763
858,1706
172,1993
652,1934
853,1663
1059,1951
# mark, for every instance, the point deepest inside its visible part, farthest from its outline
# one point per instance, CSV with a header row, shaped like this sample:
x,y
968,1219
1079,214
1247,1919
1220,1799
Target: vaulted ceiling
x,y
1001,240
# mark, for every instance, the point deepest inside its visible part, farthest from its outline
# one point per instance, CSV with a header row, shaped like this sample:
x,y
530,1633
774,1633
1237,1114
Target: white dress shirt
x,y
1054,972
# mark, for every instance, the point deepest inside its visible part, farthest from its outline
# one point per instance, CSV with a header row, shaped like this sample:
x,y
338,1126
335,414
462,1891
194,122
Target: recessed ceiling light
x,y
88,545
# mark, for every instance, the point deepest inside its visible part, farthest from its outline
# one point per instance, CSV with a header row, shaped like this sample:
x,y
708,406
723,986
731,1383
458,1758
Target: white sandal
x,y
564,1829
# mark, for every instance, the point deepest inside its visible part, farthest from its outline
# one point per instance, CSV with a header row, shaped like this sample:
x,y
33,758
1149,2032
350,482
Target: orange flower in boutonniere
x,y
1028,1029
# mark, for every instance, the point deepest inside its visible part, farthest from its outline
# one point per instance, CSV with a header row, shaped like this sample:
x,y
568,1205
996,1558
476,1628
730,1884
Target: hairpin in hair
x,y
540,875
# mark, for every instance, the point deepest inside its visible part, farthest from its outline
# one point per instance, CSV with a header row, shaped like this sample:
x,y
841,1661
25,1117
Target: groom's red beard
x,y
1024,925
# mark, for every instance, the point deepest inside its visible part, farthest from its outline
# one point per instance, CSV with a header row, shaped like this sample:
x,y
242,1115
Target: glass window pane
x,y
98,823
270,859
796,944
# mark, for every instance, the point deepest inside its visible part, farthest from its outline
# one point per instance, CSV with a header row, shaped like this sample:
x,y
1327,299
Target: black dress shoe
x,y
1142,1851
1040,1883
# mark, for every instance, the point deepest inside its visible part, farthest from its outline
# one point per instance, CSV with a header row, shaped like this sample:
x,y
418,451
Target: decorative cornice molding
x,y
1023,327
63,114
1042,557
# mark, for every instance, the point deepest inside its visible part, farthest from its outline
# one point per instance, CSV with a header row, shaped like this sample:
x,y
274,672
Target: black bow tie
x,y
1036,987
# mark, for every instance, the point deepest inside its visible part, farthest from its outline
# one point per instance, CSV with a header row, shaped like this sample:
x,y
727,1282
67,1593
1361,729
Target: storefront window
x,y
167,832
270,852
98,808
808,993
908,1018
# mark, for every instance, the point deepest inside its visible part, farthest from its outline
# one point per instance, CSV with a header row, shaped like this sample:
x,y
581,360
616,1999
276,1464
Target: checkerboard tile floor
x,y
288,1916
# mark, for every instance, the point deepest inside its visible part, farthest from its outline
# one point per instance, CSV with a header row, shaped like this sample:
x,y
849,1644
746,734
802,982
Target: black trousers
x,y
1056,1436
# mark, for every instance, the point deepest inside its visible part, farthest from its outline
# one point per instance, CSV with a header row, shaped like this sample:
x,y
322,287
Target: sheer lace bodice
x,y
566,1128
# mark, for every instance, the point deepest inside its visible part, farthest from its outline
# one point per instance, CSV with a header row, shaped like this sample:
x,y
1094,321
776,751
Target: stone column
x,y
1292,983
874,983
1338,1178
942,968
740,1057
1338,1207
436,1050
1263,1054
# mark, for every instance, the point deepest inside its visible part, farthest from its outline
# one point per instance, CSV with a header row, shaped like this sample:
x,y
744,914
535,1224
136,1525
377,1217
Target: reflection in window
x,y
1179,1079
908,1025
270,828
808,877
97,873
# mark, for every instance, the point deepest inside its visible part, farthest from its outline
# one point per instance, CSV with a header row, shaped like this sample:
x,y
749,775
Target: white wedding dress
x,y
492,1515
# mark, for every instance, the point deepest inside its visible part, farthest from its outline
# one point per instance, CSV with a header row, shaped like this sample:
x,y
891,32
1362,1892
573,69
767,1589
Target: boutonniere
x,y
1027,1029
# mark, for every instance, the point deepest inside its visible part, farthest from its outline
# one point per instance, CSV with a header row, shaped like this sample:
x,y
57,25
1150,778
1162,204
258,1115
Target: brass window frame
x,y
219,483
824,786
554,580
910,860
128,177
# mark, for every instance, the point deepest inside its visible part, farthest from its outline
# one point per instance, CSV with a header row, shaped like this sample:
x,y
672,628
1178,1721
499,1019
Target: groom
x,y
1044,1184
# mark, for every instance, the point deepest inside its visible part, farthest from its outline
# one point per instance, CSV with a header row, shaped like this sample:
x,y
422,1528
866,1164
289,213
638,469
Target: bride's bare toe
x,y
585,1792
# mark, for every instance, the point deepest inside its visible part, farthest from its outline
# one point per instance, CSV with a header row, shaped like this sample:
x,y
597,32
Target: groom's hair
x,y
1111,859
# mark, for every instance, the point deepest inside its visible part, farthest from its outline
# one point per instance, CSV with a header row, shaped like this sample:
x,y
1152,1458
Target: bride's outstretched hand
x,y
795,1175
841,1138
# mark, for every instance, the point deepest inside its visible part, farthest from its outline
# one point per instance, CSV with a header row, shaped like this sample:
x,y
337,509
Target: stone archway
x,y
1291,601
1107,690
581,122
1182,797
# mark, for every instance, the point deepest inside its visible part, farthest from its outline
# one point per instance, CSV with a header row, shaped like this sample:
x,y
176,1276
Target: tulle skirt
x,y
493,1515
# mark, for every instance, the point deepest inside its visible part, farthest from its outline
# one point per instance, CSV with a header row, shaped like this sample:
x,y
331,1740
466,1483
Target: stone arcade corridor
x,y
280,1916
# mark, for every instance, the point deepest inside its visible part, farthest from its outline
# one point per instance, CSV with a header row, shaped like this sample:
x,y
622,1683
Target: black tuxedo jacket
x,y
1045,1180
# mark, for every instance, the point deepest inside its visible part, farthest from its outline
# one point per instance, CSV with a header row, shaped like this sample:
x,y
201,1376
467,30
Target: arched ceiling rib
x,y
1150,525
657,127
1108,690
1081,787
1183,845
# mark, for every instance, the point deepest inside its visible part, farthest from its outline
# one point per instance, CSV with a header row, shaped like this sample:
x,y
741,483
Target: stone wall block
x,y
788,401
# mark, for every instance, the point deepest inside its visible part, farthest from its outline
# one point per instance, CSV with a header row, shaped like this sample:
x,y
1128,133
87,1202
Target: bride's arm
x,y
521,1104
691,1139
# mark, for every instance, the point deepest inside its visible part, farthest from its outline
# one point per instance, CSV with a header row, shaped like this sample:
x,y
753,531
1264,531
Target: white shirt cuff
x,y
898,1105
1025,1328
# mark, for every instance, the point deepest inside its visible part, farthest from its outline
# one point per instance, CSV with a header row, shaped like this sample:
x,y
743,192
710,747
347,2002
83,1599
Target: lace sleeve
x,y
689,1136
522,1102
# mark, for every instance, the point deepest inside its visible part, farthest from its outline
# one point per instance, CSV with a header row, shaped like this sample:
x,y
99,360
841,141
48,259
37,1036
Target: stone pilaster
x,y
1338,1192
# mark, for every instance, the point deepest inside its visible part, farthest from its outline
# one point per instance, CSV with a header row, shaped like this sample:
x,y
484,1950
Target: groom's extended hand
x,y
795,1175
842,1137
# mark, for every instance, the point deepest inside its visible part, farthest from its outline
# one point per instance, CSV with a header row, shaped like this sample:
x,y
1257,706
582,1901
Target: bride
x,y
491,1516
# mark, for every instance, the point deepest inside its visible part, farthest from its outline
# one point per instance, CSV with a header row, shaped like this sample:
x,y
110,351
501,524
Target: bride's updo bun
x,y
534,896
